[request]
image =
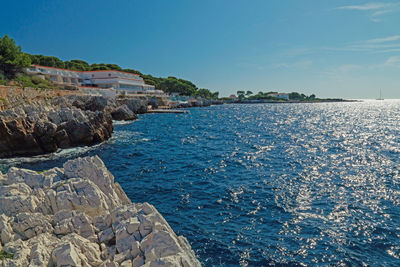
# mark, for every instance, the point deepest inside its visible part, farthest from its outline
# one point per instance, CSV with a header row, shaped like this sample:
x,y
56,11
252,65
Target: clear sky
x,y
338,48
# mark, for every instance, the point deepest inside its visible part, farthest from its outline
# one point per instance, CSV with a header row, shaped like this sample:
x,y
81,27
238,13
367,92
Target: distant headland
x,y
249,97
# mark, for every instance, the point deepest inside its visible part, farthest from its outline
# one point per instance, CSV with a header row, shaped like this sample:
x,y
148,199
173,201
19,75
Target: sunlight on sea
x,y
266,184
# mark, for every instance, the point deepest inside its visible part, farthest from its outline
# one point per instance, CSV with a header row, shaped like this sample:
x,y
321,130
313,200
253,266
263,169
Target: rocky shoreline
x,y
47,125
78,216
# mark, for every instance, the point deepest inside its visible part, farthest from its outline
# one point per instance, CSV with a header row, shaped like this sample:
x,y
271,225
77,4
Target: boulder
x,y
136,105
123,113
66,255
96,103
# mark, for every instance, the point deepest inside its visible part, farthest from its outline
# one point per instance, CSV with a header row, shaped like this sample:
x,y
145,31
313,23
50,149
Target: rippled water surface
x,y
265,184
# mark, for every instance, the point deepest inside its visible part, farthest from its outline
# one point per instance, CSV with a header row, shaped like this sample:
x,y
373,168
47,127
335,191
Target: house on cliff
x,y
102,79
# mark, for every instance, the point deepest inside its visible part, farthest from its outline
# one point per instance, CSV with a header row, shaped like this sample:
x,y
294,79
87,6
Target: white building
x,y
280,95
110,79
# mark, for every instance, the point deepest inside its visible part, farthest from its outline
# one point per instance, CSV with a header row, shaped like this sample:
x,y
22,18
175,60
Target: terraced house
x,y
106,79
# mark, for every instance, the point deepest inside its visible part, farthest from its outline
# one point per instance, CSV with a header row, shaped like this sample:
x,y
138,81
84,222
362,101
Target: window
x,y
92,75
109,75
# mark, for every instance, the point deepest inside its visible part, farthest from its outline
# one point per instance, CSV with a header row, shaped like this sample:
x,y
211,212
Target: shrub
x,y
24,81
6,255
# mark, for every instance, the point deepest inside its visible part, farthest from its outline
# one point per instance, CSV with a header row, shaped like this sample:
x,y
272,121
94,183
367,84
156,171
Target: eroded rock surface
x,y
40,128
78,216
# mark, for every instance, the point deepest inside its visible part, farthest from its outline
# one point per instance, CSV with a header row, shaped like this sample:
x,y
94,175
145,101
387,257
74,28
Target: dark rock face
x,y
123,113
96,103
14,138
37,129
69,121
136,105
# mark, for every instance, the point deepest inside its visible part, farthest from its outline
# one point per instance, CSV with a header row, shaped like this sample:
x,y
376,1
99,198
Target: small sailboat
x,y
380,96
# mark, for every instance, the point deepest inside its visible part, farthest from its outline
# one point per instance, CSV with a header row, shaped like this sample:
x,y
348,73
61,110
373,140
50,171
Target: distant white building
x,y
233,97
109,79
280,95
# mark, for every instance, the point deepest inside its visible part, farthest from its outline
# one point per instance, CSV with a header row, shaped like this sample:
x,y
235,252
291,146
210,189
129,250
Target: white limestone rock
x,y
138,261
66,255
29,225
67,221
160,244
78,216
133,225
31,178
41,249
89,252
6,232
16,198
93,168
106,236
20,251
109,263
127,263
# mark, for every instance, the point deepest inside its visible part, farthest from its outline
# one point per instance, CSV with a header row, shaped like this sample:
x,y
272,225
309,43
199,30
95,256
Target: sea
x,y
313,184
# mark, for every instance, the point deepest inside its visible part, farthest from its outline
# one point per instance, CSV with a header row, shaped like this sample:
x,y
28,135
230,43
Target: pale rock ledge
x,y
78,216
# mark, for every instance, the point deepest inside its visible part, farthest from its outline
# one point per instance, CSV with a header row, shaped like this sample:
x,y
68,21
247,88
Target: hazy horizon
x,y
348,49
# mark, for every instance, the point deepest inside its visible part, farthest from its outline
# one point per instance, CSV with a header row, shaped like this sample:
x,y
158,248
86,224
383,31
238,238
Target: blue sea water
x,y
266,184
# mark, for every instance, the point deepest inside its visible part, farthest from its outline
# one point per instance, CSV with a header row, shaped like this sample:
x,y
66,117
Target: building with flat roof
x,y
280,95
109,79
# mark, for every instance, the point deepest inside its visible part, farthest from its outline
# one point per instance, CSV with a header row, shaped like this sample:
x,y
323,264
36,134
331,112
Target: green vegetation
x,y
59,185
25,80
12,59
266,96
297,96
5,255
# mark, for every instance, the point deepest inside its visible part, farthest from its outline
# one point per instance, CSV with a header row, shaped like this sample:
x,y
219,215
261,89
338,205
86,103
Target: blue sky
x,y
347,49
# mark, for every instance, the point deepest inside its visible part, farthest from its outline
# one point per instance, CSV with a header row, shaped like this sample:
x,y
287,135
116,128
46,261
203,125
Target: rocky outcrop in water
x,y
136,105
53,123
78,216
38,128
123,113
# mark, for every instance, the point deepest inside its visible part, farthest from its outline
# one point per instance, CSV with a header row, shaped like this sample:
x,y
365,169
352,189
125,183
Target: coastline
x,y
37,122
294,101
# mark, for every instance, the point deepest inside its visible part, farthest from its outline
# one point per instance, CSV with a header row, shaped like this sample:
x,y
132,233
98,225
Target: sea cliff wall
x,y
34,123
78,216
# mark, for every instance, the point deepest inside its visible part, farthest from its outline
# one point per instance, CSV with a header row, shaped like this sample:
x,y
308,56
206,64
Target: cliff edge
x,y
78,216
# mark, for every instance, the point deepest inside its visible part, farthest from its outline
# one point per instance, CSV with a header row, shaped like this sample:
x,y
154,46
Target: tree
x,y
249,93
132,71
12,59
240,94
204,93
77,64
100,66
215,95
295,96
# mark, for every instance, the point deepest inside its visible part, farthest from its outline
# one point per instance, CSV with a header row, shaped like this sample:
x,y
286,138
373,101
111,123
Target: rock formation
x,y
123,113
78,216
39,128
49,124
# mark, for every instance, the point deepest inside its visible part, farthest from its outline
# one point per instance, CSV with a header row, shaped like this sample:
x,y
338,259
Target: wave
x,y
59,154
